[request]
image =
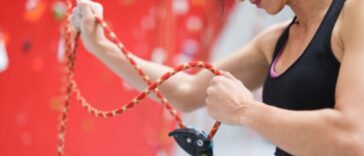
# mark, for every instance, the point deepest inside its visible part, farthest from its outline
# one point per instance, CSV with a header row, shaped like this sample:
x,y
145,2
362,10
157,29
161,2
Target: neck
x,y
309,12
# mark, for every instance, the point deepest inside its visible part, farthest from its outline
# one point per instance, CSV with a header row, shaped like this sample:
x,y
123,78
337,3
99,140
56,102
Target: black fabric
x,y
310,82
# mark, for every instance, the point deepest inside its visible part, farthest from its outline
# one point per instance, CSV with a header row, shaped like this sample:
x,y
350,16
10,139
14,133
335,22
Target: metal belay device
x,y
194,142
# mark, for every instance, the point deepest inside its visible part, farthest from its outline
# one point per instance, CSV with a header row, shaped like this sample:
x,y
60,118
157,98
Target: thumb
x,y
228,75
85,9
90,8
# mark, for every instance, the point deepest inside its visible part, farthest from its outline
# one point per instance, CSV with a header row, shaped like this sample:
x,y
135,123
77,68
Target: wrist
x,y
103,47
249,112
107,50
97,46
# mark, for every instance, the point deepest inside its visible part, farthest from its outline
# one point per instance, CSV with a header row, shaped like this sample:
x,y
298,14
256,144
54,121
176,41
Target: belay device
x,y
194,142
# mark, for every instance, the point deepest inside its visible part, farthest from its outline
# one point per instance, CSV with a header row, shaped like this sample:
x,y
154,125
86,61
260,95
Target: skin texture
x,y
331,132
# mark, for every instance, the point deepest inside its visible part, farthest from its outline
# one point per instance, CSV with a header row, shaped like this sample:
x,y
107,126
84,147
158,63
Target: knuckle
x,y
74,21
215,79
88,20
209,111
82,4
220,78
209,90
99,5
207,101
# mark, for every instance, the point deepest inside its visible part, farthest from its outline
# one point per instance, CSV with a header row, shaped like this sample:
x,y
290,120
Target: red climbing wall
x,y
164,31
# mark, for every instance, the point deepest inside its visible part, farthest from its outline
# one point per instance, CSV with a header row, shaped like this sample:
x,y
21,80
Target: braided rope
x,y
68,72
71,85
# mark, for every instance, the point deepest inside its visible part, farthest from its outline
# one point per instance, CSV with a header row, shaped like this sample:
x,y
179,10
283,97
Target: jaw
x,y
273,7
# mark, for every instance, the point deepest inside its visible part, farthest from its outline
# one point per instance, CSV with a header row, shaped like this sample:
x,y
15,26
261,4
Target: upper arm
x,y
250,63
350,83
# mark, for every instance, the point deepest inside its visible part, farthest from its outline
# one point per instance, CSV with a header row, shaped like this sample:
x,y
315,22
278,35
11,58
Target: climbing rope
x,y
71,85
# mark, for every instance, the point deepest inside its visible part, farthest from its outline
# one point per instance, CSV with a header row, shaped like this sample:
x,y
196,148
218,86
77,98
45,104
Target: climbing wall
x,y
31,53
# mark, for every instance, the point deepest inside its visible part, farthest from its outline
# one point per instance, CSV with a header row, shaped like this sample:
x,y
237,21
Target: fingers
x,y
210,92
228,75
85,9
89,8
220,78
98,9
84,16
75,19
78,14
216,80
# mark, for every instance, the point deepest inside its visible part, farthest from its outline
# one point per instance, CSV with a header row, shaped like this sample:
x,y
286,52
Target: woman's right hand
x,y
83,20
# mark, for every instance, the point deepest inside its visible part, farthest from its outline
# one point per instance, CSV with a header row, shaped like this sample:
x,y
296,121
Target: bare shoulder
x,y
352,6
352,16
353,11
267,39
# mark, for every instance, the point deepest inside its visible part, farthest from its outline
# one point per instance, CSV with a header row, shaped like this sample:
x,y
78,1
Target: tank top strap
x,y
282,39
329,21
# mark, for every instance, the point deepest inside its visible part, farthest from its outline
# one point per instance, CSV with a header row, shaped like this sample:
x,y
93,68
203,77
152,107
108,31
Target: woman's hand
x,y
227,98
83,19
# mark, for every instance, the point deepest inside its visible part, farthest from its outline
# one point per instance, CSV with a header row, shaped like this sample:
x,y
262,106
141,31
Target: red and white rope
x,y
71,85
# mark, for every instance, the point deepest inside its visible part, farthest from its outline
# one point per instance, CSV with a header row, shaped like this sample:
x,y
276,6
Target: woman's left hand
x,y
227,99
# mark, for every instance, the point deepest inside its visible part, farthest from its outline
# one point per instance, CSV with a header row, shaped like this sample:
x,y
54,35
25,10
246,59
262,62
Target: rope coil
x,y
71,85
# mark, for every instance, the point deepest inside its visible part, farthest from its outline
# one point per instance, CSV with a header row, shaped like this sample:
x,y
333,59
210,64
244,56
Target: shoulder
x,y
353,11
352,22
352,17
267,39
354,4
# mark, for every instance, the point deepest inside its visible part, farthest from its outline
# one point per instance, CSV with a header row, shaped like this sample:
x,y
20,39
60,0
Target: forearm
x,y
174,88
321,132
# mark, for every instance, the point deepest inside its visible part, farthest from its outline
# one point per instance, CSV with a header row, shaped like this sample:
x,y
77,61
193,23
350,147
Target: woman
x,y
310,69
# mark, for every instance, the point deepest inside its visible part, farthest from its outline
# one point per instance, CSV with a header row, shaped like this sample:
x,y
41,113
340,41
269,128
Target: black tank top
x,y
309,83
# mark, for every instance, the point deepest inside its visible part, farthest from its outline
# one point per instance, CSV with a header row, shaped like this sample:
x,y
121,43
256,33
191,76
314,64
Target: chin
x,y
273,11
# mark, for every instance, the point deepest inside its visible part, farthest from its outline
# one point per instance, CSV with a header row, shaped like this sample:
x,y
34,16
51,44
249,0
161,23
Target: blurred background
x,y
170,32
